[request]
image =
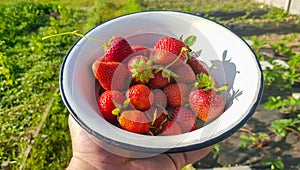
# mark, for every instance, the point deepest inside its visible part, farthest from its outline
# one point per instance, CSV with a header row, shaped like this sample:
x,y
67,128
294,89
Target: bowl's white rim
x,y
126,146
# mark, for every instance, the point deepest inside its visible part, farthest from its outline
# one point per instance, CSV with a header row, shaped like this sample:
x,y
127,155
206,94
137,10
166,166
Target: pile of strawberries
x,y
159,91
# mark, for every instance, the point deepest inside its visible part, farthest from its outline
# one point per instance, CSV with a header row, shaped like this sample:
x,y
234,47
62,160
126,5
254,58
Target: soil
x,y
285,149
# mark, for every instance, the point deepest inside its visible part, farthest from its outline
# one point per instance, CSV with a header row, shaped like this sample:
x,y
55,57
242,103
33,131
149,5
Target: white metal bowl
x,y
234,63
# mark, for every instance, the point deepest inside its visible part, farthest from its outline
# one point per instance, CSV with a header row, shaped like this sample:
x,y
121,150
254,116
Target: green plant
x,y
29,73
286,105
258,139
273,163
283,126
276,15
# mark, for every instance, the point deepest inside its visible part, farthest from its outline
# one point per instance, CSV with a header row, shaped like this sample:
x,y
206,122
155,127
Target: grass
x,y
31,110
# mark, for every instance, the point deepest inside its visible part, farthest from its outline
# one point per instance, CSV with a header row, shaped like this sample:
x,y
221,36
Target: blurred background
x,y
34,131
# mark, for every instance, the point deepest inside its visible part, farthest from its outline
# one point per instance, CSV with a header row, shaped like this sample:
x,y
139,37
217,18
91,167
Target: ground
x,y
285,149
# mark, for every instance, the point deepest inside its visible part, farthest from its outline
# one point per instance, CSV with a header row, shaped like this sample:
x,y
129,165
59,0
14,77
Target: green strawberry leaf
x,y
223,87
154,117
190,40
142,70
181,38
165,74
126,102
116,111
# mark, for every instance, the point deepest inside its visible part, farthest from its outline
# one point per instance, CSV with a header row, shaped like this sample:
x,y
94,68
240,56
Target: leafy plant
x,y
288,105
258,140
274,163
283,126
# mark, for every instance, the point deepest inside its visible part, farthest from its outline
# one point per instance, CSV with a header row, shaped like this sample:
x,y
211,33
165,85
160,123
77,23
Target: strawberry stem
x,y
177,58
74,33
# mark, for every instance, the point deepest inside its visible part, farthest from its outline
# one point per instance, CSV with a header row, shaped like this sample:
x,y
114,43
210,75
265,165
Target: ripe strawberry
x,y
176,94
140,49
196,65
117,50
186,119
158,81
167,49
134,121
106,104
185,74
140,68
205,100
160,98
171,128
206,104
111,75
141,97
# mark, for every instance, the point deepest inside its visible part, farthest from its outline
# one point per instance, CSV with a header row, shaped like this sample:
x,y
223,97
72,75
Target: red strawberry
x,y
197,66
117,50
106,104
140,68
111,75
206,104
205,100
160,98
141,49
186,119
176,93
158,81
141,97
167,49
185,74
134,121
171,128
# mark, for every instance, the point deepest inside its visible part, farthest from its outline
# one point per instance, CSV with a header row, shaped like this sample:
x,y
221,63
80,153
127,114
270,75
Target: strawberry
x,y
160,98
158,81
167,49
206,104
141,97
111,75
170,128
134,121
106,104
176,94
186,119
185,74
205,100
140,68
140,49
196,65
117,50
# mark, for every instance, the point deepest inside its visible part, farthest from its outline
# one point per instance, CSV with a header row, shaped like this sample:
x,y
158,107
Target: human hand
x,y
89,155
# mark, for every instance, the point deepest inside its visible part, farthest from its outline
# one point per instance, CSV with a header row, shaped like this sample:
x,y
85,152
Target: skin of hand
x,y
88,155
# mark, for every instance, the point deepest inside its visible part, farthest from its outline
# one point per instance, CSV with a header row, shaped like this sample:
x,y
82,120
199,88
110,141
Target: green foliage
x,y
274,163
29,73
216,149
276,14
283,126
254,139
289,104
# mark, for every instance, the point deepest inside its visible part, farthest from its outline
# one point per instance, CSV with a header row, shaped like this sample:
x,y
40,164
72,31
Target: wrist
x,y
77,163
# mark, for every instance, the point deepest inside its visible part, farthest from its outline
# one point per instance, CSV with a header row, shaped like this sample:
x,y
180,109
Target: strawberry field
x,y
34,132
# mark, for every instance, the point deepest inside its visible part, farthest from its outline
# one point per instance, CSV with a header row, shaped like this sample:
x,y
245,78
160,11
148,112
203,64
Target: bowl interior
x,y
234,63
